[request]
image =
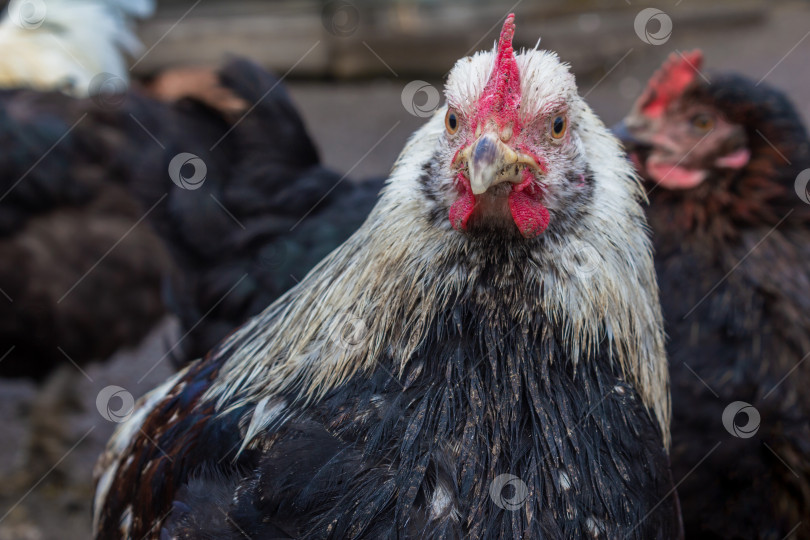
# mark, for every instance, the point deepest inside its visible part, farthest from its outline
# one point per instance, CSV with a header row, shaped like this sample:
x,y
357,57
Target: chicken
x,y
732,243
78,46
266,212
453,370
72,235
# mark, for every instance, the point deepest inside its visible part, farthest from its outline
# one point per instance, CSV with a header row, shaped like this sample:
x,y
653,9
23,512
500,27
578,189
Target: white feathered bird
x,y
493,323
78,46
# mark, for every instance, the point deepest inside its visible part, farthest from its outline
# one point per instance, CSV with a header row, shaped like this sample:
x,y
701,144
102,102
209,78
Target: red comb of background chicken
x,y
500,99
677,73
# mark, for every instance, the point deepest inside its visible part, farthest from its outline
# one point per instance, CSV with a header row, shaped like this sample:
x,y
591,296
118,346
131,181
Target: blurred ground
x,y
360,127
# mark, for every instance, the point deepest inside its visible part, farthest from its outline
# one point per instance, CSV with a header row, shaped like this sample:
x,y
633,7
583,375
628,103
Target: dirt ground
x,y
51,436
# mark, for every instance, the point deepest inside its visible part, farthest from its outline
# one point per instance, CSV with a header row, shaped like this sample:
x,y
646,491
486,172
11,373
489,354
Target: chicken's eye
x,y
558,126
451,121
704,122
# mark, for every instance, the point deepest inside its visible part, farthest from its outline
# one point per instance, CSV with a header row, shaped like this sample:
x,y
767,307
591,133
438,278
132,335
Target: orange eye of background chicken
x,y
558,127
704,122
451,121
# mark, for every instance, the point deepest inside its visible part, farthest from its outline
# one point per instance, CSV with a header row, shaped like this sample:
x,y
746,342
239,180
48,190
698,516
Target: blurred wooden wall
x,y
356,39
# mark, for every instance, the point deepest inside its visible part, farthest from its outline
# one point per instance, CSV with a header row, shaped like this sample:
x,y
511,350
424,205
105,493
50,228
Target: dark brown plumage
x,y
733,262
265,214
80,276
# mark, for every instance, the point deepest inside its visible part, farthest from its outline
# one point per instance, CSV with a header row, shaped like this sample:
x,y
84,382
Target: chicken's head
x,y
510,151
675,134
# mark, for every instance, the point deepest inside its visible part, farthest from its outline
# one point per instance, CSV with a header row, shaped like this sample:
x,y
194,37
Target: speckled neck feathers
x,y
401,270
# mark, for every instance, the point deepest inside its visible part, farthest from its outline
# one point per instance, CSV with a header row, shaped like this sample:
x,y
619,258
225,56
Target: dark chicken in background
x,y
58,220
266,213
732,244
452,340
73,252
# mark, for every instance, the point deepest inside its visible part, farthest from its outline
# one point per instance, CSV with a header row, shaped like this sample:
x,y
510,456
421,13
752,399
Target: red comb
x,y
669,82
501,95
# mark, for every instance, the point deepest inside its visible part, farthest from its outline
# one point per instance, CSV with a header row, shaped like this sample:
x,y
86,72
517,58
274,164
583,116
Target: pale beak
x,y
490,161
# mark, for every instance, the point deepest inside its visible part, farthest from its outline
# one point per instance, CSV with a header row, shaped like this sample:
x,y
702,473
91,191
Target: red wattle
x,y
530,216
462,208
